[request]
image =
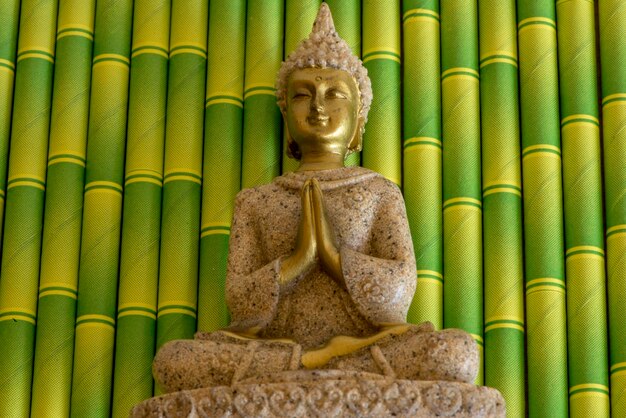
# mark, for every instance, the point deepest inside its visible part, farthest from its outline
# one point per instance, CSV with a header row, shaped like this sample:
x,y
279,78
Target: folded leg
x,y
417,354
220,358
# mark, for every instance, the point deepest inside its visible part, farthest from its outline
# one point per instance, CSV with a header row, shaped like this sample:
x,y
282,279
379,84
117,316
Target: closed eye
x,y
301,95
336,94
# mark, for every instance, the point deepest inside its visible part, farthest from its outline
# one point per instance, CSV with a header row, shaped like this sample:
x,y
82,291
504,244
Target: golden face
x,y
322,111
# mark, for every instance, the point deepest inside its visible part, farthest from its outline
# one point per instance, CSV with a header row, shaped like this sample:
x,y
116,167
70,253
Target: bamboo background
x,y
127,128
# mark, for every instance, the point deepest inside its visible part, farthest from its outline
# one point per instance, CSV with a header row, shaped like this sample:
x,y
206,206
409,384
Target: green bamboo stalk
x,y
9,20
584,223
141,217
222,154
347,18
102,211
52,380
543,210
462,205
502,204
180,222
422,154
19,276
381,56
262,139
299,18
612,15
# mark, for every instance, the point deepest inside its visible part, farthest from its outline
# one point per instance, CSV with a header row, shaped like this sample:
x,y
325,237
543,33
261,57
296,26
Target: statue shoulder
x,y
246,202
254,196
245,195
385,188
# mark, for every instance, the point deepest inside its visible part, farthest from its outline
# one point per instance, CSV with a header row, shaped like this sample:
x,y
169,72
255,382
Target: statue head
x,y
324,93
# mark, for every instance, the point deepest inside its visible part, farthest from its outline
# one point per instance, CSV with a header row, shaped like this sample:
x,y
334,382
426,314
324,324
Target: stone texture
x,y
217,359
315,333
367,214
328,393
335,350
449,355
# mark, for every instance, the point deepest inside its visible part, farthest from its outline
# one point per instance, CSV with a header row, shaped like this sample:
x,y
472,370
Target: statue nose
x,y
316,104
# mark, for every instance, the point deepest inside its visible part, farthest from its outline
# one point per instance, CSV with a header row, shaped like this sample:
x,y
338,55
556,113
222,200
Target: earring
x,y
293,149
358,138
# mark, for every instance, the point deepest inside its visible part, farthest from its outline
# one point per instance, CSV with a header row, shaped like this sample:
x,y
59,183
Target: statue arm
x,y
252,283
383,282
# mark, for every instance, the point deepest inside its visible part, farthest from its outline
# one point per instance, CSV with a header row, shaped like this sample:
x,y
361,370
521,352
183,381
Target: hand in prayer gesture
x,y
315,239
326,248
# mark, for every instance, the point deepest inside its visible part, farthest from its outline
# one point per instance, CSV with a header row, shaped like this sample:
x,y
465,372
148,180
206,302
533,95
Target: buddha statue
x,y
321,268
321,273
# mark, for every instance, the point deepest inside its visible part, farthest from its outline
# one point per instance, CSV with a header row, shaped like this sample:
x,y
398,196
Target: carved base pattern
x,y
329,398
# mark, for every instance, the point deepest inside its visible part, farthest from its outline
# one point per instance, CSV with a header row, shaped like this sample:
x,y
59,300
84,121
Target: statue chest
x,y
350,210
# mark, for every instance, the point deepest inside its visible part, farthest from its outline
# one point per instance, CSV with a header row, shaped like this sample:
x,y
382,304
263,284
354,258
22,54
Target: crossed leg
x,y
404,351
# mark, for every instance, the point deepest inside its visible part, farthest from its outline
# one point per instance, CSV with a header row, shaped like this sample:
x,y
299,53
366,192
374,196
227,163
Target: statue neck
x,y
324,161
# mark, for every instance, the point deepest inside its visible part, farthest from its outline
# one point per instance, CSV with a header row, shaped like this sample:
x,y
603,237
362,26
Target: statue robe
x,y
368,216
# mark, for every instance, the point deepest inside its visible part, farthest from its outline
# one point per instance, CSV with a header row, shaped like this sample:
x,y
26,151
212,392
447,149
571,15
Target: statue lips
x,y
318,120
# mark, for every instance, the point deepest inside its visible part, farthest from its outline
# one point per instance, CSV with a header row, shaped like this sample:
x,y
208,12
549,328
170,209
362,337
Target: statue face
x,y
322,111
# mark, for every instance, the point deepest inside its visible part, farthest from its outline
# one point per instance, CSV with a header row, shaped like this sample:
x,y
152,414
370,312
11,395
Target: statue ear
x,y
356,143
293,149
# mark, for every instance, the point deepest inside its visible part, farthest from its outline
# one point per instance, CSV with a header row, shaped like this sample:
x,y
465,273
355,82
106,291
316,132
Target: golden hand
x,y
326,247
303,257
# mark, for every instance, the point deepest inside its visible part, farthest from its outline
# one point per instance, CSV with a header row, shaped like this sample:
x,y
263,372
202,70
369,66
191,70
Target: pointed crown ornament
x,y
324,48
